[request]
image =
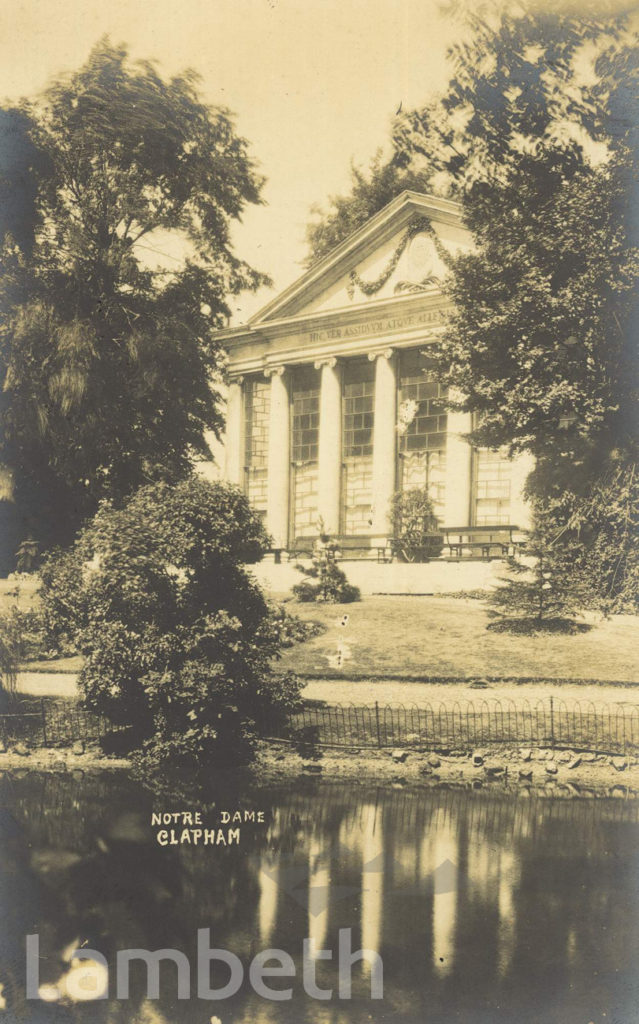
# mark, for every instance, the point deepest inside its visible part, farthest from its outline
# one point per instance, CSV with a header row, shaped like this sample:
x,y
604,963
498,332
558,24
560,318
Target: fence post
x,y
552,721
44,722
379,735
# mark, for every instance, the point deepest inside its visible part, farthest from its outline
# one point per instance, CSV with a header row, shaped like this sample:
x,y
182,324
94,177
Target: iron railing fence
x,y
607,728
51,724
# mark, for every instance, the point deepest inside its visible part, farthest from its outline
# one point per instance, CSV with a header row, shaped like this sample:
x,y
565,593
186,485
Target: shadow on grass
x,y
530,627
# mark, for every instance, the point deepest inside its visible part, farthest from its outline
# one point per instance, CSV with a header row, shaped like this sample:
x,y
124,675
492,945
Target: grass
x,y
21,593
70,663
440,637
445,637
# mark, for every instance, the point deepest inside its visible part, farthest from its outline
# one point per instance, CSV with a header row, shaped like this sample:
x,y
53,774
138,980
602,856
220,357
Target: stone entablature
x,y
401,323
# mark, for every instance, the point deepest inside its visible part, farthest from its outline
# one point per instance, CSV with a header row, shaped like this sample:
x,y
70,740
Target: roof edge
x,y
448,208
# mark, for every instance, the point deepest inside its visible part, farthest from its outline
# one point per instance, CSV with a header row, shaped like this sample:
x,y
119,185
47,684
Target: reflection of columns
x,y
233,442
444,896
372,881
319,889
269,896
457,511
506,906
330,444
384,439
279,459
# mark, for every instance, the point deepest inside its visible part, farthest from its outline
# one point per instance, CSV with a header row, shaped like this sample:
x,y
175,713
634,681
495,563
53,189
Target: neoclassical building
x,y
332,406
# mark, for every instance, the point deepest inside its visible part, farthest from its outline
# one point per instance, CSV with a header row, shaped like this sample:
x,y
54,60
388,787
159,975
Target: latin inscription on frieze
x,y
369,328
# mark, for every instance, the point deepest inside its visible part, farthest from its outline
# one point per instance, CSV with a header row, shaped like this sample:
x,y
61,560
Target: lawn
x,y
431,637
447,637
20,593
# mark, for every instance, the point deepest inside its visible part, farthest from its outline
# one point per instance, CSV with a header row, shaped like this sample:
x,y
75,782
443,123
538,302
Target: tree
x,y
370,191
592,535
535,135
111,370
541,341
537,138
323,579
177,637
539,592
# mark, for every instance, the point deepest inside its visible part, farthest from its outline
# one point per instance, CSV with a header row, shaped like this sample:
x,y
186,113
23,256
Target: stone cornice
x,y
317,355
384,309
377,327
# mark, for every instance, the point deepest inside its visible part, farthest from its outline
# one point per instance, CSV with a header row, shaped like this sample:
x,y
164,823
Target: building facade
x,y
333,406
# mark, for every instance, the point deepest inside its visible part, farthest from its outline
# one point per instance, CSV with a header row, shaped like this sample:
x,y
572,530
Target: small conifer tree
x,y
538,592
325,581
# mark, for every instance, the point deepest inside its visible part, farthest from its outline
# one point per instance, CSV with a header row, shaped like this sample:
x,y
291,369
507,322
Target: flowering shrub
x,y
177,636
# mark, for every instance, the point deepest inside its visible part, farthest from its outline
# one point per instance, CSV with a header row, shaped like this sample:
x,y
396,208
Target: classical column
x,y
457,498
234,434
384,439
279,459
330,444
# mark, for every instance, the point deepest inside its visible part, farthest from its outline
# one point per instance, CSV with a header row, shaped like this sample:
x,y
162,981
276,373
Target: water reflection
x,y
483,906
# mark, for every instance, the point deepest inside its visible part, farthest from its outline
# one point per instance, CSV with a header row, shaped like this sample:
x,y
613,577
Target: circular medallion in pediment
x,y
421,254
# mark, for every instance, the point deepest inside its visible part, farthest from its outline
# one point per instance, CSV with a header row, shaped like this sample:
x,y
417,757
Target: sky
x,y
313,84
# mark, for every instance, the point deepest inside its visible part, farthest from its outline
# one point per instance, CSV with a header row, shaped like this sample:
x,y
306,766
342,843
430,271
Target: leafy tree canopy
x,y
370,191
110,368
536,136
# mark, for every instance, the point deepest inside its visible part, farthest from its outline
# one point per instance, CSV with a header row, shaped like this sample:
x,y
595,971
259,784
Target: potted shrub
x,y
416,534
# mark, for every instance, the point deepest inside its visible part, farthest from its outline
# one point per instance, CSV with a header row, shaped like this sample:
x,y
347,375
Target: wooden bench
x,y
481,538
366,552
299,552
381,553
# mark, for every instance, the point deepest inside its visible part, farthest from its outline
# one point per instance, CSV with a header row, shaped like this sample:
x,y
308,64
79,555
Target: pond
x,y
480,906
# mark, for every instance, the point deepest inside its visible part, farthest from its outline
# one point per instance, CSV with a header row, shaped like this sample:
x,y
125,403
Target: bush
x,y
8,666
23,630
292,629
584,550
62,576
415,526
178,638
600,530
325,580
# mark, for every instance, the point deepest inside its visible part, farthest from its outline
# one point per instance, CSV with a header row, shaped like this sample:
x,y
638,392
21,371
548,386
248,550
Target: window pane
x,y
422,441
358,406
257,400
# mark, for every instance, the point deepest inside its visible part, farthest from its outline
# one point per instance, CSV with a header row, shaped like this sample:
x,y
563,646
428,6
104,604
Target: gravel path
x,y
47,684
363,692
59,684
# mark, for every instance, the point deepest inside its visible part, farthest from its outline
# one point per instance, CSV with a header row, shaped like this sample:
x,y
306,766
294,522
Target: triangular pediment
x,y
392,254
